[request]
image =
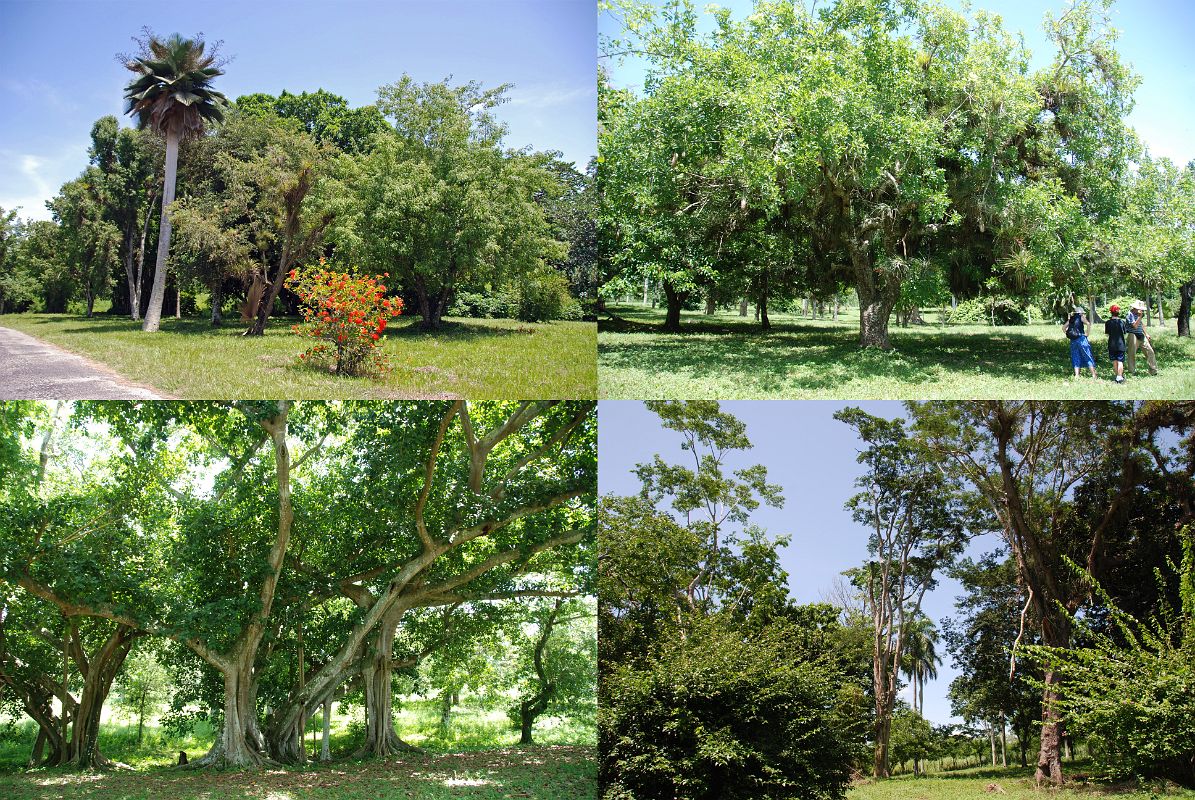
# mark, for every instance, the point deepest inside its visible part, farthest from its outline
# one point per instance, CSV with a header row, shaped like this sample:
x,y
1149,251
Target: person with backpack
x,y
1077,329
1115,328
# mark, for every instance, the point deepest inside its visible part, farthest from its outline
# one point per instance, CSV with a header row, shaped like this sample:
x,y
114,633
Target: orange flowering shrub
x,y
346,316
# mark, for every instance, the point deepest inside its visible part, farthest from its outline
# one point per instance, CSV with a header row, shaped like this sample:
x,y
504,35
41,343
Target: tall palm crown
x,y
173,92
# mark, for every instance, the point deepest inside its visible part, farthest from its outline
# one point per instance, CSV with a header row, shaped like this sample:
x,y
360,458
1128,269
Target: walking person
x,y
1115,328
1077,329
1139,339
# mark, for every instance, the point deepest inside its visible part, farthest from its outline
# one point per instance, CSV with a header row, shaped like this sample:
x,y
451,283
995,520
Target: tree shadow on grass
x,y
810,358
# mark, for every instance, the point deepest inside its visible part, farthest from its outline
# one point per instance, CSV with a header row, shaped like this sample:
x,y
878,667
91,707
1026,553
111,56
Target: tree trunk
x,y
431,308
743,307
675,301
1161,311
217,303
130,274
531,707
877,298
1049,757
1186,293
153,315
711,307
140,279
325,753
266,306
90,302
1094,309
239,743
377,672
445,712
97,683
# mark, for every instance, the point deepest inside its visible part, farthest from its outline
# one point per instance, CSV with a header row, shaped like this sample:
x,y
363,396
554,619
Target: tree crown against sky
x,y
302,47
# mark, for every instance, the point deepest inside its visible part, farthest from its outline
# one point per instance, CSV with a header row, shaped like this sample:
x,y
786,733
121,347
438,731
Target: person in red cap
x,y
1115,328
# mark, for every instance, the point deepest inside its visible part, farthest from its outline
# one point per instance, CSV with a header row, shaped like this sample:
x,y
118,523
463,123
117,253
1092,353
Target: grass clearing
x,y
1013,783
476,758
727,357
541,773
474,358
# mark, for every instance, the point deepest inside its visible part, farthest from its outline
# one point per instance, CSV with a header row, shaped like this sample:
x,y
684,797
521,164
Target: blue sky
x,y
58,71
1155,40
812,456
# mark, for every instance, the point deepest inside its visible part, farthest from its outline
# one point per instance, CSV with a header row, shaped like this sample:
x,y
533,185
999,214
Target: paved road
x,y
31,369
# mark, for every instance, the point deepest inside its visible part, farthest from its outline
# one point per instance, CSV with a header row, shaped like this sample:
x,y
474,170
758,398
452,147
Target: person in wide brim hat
x,y
1139,340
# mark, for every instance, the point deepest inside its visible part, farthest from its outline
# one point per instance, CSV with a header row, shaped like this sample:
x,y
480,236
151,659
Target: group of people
x,y
1126,335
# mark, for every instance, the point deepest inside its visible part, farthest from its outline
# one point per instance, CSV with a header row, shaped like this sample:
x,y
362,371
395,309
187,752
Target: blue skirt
x,y
1081,353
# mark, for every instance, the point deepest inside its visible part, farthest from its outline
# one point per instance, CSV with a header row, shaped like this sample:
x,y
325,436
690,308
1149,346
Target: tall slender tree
x,y
172,94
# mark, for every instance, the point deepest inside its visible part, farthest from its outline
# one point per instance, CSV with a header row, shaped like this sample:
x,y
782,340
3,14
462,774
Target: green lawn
x,y
547,773
727,357
473,358
476,758
1006,784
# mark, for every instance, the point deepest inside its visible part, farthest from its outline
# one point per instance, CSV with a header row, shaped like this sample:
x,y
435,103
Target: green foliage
x,y
1131,693
440,204
989,309
543,296
720,715
498,303
326,117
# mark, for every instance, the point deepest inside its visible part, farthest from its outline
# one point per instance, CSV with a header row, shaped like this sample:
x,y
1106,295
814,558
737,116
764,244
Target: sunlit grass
x,y
726,356
476,758
473,358
1013,783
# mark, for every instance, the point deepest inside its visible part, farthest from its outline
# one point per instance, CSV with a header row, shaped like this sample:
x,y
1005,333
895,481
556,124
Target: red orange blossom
x,y
346,315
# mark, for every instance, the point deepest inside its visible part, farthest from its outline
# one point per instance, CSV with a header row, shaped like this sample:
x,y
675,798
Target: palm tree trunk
x,y
153,315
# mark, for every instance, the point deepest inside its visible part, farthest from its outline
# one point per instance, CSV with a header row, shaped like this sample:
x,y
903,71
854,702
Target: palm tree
x,y
172,94
920,661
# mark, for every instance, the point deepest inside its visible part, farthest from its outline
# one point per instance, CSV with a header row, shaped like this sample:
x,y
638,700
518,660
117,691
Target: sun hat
x,y
1078,310
1138,305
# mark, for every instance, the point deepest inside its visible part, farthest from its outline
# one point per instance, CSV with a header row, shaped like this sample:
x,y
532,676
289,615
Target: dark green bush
x,y
982,310
497,304
724,714
543,296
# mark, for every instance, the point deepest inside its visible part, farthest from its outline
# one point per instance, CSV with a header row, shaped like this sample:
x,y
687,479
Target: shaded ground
x,y
539,773
474,358
1007,784
31,368
728,357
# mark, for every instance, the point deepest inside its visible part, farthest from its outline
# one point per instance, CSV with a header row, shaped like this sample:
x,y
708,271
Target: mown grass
x,y
728,357
473,358
477,758
1013,783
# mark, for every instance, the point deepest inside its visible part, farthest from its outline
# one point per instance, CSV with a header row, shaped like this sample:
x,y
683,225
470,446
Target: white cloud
x,y
28,180
38,91
549,96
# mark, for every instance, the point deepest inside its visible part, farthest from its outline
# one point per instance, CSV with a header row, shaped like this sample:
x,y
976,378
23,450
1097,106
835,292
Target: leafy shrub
x,y
723,714
981,310
1134,701
346,316
498,304
543,295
